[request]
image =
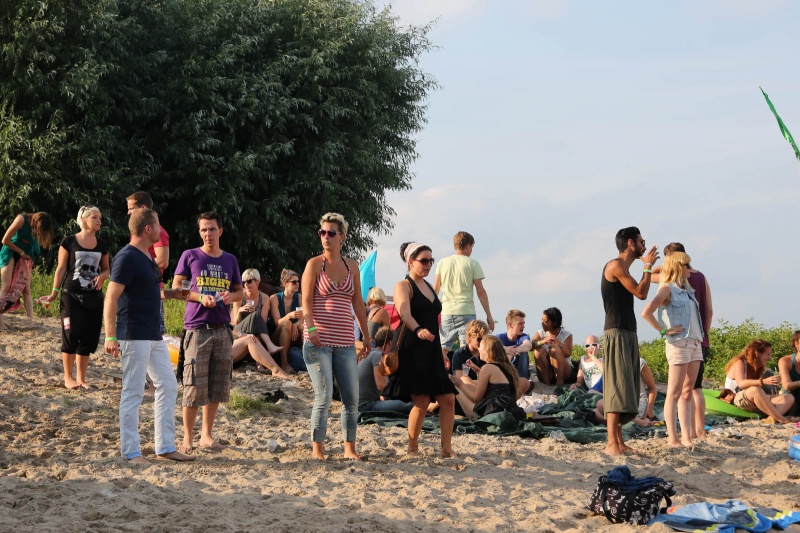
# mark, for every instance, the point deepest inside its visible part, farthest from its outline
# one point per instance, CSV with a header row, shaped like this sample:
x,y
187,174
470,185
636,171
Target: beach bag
x,y
390,362
636,507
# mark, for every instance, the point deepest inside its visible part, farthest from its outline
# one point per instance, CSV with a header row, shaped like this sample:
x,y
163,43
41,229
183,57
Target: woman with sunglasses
x,y
251,336
421,373
82,269
679,320
331,291
285,314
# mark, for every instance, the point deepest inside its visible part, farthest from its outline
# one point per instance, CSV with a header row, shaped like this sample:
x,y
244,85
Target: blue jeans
x,y
380,406
454,327
138,359
522,363
295,358
323,365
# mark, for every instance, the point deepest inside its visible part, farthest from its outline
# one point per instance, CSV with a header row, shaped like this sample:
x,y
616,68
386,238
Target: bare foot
x,y
448,454
628,449
352,456
288,369
318,455
70,383
613,450
689,445
176,456
30,322
212,445
84,385
138,461
674,443
280,373
186,449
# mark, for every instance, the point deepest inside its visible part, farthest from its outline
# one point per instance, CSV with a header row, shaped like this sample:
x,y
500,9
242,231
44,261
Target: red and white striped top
x,y
332,309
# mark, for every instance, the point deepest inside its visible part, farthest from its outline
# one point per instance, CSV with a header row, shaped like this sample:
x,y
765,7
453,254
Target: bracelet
x,y
417,329
312,328
200,298
663,332
111,339
762,381
56,289
647,271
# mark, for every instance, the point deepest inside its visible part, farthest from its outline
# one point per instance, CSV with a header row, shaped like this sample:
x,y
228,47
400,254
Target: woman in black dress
x,y
421,373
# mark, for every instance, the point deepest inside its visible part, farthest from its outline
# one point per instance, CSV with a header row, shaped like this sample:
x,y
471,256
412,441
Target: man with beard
x,y
620,342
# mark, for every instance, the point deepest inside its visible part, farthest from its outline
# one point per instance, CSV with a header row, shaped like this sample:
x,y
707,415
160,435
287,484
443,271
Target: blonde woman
x,y
377,317
82,269
25,237
331,292
498,386
285,314
680,322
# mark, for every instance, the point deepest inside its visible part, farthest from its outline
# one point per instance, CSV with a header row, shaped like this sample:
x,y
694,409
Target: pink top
x,y
332,310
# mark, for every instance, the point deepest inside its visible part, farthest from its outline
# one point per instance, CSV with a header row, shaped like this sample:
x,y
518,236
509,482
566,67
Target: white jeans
x,y
140,358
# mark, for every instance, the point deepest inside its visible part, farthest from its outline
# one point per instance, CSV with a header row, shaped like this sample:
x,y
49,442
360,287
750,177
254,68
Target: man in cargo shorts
x,y
215,283
620,342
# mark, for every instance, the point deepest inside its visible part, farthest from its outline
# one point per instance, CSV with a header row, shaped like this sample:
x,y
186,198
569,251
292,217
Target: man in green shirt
x,y
456,276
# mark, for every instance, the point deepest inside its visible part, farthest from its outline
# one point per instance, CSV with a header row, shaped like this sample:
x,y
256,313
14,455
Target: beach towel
x,y
725,517
19,280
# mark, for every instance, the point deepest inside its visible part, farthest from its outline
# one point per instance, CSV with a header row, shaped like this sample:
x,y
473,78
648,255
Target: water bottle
x,y
272,445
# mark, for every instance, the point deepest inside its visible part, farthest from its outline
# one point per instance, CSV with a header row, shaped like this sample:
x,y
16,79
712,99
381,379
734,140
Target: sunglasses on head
x,y
595,344
330,233
426,261
248,281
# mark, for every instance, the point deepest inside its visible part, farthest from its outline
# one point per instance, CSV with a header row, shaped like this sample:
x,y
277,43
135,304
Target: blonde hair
x,y
251,273
376,296
514,313
85,212
335,218
477,329
671,271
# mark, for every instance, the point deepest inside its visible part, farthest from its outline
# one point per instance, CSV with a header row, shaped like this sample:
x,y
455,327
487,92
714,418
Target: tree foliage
x,y
268,112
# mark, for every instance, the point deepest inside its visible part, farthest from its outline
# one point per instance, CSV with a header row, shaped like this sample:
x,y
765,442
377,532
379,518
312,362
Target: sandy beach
x,y
61,470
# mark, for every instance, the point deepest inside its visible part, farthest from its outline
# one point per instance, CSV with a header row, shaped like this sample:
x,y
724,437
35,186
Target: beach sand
x,y
61,470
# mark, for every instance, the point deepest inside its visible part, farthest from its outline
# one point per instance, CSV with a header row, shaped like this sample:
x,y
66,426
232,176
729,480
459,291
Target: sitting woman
x,y
789,369
647,397
250,327
371,382
744,376
467,359
553,347
284,323
590,367
377,317
498,386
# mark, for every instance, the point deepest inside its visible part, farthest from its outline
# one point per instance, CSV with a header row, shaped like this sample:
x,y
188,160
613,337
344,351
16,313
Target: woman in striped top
x,y
330,290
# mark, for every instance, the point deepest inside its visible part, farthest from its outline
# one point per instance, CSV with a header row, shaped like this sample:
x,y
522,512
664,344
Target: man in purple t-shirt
x,y
215,283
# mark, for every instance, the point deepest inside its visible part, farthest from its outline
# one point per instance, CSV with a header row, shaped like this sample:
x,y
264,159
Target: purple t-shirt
x,y
209,275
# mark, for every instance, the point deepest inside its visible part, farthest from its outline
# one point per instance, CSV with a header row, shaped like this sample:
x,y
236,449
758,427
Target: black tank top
x,y
618,303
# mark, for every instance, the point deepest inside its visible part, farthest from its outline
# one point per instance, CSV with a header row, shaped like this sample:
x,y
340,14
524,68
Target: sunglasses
x,y
330,233
595,344
294,282
426,261
248,281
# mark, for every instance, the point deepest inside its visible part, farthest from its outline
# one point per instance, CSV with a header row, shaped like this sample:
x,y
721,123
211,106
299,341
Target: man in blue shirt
x,y
133,331
517,342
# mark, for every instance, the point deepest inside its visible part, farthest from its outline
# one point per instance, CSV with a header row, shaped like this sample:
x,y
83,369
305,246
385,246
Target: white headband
x,y
411,248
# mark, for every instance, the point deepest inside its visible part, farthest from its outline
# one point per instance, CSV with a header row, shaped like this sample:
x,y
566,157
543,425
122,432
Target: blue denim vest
x,y
678,311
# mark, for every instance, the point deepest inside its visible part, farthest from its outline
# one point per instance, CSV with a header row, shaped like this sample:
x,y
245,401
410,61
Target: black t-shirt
x,y
139,305
83,264
460,357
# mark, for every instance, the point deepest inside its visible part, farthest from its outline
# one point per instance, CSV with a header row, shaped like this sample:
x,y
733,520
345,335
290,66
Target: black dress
x,y
421,367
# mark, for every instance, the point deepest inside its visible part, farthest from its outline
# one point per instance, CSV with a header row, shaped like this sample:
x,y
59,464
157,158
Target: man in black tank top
x,y
620,342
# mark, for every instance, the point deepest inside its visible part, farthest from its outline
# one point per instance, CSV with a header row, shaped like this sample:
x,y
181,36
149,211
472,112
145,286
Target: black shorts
x,y
698,383
83,335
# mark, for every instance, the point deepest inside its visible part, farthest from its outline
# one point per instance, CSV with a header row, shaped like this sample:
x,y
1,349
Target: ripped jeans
x,y
323,365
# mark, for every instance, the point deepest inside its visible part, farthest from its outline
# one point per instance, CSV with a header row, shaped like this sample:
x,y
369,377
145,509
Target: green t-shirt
x,y
457,274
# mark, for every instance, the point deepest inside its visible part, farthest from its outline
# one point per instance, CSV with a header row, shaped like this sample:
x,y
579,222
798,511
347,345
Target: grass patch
x,y
244,406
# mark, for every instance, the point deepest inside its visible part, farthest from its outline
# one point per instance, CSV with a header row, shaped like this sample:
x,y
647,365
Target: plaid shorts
x,y
208,366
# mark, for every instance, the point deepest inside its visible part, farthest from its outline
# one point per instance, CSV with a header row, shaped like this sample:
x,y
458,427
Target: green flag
x,y
782,126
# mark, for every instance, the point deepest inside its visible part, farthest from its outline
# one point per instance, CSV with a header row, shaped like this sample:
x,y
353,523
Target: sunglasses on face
x,y
426,261
248,281
329,233
294,282
587,346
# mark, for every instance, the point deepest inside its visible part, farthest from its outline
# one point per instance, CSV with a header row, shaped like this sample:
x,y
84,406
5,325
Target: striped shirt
x,y
332,310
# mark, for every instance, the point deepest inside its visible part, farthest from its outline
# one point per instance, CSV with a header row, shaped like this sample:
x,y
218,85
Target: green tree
x,y
270,113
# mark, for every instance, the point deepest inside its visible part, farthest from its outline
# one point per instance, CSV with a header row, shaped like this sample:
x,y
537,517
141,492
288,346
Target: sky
x,y
556,123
